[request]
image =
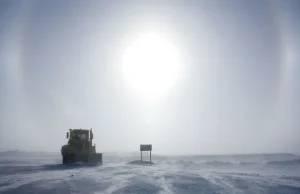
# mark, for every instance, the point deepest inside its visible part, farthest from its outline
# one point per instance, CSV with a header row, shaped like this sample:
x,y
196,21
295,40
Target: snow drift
x,y
42,173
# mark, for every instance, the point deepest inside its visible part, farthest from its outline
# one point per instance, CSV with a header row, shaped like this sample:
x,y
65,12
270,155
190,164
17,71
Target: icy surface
x,y
44,173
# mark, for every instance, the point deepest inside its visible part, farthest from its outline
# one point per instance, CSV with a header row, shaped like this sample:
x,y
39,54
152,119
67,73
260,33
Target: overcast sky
x,y
238,89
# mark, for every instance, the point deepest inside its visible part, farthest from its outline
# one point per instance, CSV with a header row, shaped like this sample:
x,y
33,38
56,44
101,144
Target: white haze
x,y
238,91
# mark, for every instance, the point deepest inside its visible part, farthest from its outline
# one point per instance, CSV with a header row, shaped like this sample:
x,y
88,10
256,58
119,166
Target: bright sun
x,y
151,66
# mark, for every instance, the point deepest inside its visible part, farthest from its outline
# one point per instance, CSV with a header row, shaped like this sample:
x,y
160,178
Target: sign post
x,y
145,147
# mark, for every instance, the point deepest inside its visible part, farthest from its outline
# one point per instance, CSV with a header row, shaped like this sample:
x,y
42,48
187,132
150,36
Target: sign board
x,y
146,147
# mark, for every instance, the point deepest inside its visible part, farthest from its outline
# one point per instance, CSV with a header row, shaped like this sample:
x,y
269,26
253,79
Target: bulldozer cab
x,y
81,135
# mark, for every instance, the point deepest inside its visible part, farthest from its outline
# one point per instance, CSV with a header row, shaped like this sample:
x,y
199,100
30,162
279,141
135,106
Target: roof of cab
x,y
80,130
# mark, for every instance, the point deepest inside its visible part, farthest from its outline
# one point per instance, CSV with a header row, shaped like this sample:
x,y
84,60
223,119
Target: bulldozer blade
x,y
95,158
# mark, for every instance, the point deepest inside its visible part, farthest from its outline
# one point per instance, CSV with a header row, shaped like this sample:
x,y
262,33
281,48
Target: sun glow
x,y
151,66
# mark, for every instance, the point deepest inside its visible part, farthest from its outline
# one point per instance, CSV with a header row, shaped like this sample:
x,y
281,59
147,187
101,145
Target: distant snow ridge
x,y
217,163
285,162
141,162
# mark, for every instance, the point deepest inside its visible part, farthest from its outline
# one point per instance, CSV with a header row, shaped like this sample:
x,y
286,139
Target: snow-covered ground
x,y
44,173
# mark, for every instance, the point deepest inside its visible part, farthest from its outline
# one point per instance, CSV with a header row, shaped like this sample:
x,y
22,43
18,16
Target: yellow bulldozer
x,y
80,148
